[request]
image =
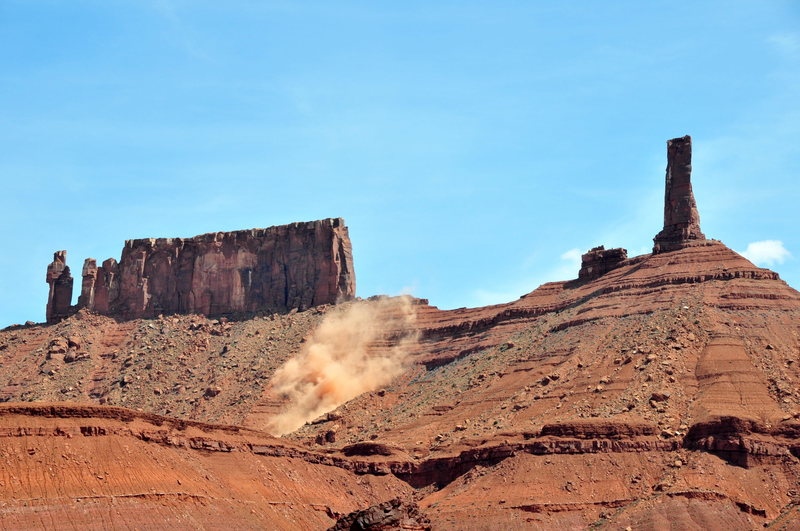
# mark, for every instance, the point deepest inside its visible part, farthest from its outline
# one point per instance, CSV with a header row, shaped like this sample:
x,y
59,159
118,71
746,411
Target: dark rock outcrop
x,y
59,278
89,274
599,261
294,266
681,219
387,516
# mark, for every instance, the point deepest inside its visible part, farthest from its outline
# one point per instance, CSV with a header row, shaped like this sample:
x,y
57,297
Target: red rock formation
x,y
60,281
89,274
660,391
91,465
106,287
599,261
681,219
279,268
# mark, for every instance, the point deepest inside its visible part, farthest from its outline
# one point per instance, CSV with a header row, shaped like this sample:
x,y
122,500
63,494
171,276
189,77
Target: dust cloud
x,y
357,348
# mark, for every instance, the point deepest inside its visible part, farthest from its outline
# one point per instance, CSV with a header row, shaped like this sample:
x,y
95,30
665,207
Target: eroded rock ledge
x,y
743,442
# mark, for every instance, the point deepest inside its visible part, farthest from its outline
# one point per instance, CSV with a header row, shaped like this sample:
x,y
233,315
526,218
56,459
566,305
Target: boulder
x,y
393,514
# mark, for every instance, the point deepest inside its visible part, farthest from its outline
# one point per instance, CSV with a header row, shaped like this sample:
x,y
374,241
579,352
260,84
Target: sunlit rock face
x,y
681,219
60,282
278,268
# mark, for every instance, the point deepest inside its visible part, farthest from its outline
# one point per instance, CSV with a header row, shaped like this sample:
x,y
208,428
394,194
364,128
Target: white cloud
x,y
573,256
766,252
787,43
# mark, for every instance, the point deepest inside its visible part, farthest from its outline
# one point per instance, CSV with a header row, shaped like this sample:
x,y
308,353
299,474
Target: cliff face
x,y
279,268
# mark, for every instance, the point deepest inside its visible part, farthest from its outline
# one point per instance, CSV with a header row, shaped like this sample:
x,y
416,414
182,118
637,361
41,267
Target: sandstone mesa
x,y
293,266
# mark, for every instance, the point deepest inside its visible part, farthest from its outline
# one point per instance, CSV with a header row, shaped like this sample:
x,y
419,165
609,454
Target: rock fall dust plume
x,y
355,349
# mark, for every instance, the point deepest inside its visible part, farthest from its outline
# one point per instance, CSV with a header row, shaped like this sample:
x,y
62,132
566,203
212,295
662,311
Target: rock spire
x,y
89,274
60,280
681,219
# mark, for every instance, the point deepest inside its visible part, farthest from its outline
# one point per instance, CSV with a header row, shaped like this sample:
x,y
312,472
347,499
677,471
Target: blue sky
x,y
474,148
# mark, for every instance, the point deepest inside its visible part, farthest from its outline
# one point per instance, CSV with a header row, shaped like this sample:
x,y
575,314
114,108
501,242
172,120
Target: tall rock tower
x,y
60,280
681,219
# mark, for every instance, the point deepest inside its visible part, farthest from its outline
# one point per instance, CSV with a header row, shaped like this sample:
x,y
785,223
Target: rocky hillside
x,y
188,366
652,392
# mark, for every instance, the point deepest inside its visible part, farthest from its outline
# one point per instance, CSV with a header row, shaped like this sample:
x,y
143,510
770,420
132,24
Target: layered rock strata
x,y
566,475
60,281
108,468
681,219
279,268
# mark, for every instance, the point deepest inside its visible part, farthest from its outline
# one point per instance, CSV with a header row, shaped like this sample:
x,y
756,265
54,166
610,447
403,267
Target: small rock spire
x,y
89,273
60,280
681,219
